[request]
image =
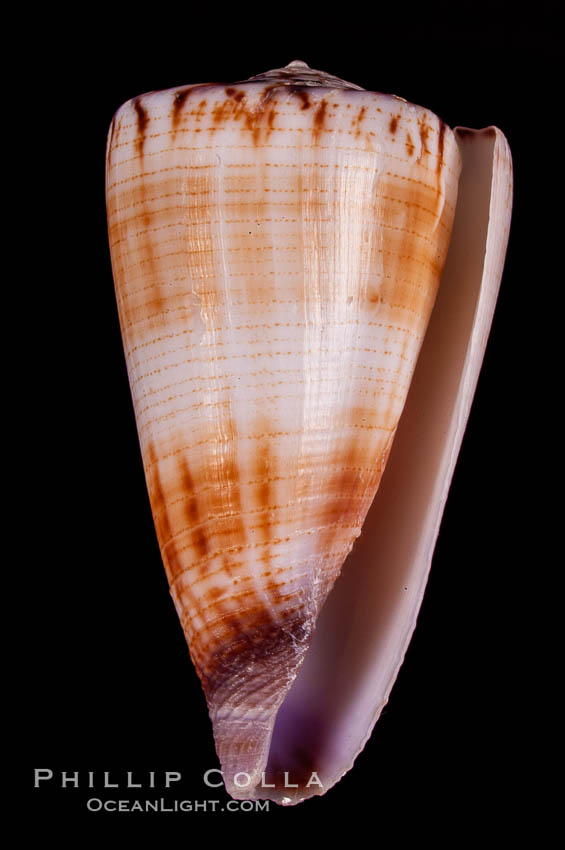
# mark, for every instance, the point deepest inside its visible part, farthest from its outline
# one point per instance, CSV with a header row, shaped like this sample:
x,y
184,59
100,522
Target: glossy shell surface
x,y
277,247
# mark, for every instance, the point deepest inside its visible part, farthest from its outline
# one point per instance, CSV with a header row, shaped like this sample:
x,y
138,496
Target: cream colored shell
x,y
277,247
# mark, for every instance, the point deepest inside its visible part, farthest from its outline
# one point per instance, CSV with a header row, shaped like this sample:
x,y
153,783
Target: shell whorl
x,y
277,246
298,73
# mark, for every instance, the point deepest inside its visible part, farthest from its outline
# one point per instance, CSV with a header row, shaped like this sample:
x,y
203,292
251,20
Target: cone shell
x,y
277,247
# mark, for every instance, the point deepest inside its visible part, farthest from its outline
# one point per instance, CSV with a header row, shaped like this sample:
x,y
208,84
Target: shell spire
x,y
277,246
298,73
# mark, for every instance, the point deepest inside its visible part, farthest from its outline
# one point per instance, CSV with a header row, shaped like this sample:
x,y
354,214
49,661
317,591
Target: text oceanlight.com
x,y
94,804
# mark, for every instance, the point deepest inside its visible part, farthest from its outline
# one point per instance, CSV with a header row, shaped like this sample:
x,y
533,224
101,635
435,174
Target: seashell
x,y
277,247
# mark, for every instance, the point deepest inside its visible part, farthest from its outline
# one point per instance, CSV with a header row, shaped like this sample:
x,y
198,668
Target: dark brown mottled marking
x,y
236,108
258,118
440,145
232,623
358,120
319,118
220,112
257,643
266,95
373,296
253,125
409,144
161,518
192,511
230,472
303,95
263,472
142,122
236,97
350,488
342,506
154,296
200,542
178,103
393,124
235,628
158,503
227,565
424,133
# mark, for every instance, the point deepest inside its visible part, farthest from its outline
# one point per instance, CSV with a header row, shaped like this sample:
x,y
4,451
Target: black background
x,y
104,679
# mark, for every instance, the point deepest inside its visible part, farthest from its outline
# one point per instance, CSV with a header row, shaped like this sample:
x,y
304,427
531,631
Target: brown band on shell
x,y
228,479
259,646
424,134
357,121
373,297
302,95
192,512
236,107
142,122
159,506
440,146
178,103
264,469
319,119
345,504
